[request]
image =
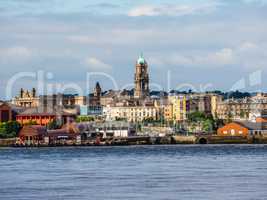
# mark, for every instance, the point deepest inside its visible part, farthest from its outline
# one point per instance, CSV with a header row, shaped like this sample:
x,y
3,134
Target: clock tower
x,y
141,78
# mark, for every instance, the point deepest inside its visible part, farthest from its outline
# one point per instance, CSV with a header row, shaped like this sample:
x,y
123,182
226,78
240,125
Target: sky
x,y
202,45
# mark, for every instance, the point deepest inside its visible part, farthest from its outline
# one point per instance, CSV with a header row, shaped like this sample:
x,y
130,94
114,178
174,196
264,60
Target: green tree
x,y
9,129
53,125
120,119
85,119
208,125
242,114
196,116
202,121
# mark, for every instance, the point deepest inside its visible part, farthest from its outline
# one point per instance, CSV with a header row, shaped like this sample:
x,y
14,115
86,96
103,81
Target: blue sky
x,y
210,44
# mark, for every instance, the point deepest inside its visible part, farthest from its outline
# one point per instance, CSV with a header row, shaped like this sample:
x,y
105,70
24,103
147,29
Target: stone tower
x,y
97,90
141,78
33,92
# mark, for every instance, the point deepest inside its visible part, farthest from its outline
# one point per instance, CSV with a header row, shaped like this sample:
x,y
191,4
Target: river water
x,y
207,172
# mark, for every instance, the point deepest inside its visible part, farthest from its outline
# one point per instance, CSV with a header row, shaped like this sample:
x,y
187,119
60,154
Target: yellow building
x,y
179,107
168,115
215,101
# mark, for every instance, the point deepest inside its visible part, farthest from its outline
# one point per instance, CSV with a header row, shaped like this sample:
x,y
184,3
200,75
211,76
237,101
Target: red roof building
x,y
43,116
33,134
243,128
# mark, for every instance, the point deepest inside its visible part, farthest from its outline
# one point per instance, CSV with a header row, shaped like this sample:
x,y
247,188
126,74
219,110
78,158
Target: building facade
x,y
243,128
130,113
27,99
180,107
5,112
65,100
91,110
95,98
248,108
233,129
43,116
108,129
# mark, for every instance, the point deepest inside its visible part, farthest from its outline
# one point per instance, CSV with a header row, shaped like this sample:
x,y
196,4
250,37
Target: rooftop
x,y
45,111
252,125
141,59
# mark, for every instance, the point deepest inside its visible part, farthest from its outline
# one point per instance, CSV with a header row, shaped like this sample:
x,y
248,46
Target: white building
x,y
108,129
130,113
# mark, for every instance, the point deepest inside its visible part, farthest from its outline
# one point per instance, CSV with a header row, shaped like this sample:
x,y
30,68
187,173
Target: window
x,y
232,131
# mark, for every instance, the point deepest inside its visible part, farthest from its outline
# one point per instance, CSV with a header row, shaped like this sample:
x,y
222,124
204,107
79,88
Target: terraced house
x,y
248,108
131,113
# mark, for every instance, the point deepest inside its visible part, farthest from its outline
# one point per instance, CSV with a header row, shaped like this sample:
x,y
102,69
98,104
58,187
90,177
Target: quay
x,y
143,140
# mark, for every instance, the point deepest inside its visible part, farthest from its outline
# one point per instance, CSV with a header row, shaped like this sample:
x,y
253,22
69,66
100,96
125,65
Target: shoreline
x,y
136,141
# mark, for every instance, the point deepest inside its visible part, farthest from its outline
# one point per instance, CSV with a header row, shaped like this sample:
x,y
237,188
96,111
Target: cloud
x,y
83,39
221,57
224,56
57,38
105,5
248,46
15,54
172,10
246,55
96,64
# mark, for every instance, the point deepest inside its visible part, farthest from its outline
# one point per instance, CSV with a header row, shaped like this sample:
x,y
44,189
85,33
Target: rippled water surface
x,y
135,172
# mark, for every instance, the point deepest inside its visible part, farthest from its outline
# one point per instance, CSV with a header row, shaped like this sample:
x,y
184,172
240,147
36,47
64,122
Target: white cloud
x,y
245,55
248,46
15,54
96,64
218,58
224,56
172,10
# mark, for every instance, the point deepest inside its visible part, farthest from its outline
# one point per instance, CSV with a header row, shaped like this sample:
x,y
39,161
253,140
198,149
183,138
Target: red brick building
x,y
5,112
43,116
243,128
33,134
38,135
9,111
261,119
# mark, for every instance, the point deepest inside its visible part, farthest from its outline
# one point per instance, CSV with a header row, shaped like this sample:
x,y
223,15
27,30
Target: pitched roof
x,y
32,130
69,130
252,125
4,103
45,111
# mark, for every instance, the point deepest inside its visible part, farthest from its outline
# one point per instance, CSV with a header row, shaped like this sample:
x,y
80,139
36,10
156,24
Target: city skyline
x,y
124,99
212,43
